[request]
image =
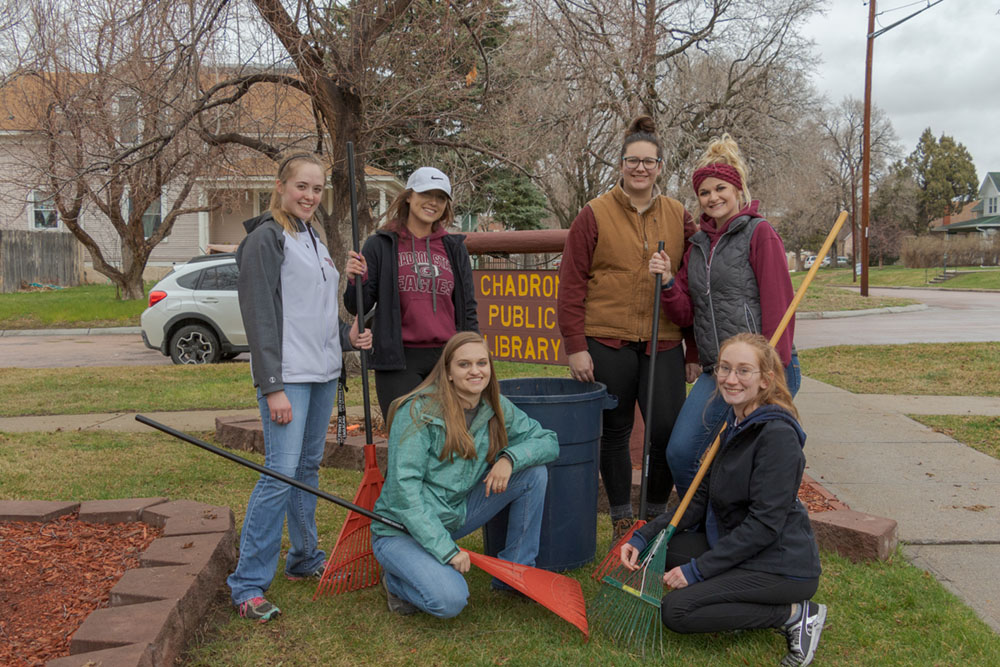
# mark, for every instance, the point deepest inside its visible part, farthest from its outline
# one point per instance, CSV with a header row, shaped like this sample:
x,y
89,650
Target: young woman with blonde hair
x,y
288,288
459,452
744,555
734,278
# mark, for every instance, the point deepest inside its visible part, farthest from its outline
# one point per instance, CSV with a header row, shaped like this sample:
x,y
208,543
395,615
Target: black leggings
x,y
390,385
737,599
626,373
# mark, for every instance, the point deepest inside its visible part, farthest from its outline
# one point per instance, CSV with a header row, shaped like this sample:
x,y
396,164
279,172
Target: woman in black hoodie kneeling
x,y
749,559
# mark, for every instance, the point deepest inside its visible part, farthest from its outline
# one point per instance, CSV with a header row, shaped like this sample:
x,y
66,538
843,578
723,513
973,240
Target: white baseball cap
x,y
429,178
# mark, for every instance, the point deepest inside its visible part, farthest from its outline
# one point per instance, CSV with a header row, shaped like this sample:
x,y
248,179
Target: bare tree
x,y
844,126
107,86
698,68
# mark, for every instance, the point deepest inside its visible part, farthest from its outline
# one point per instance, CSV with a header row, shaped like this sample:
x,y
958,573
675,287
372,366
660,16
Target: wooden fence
x,y
47,258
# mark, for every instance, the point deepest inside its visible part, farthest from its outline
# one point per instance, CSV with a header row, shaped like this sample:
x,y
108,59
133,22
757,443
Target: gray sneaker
x,y
397,605
803,635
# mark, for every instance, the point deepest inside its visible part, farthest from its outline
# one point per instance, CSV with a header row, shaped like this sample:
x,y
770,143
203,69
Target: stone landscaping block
x,y
351,455
855,535
240,433
192,551
149,584
133,655
186,517
154,623
35,510
116,511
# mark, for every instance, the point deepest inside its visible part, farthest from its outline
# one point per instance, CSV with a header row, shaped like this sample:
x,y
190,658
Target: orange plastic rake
x,y
352,565
556,592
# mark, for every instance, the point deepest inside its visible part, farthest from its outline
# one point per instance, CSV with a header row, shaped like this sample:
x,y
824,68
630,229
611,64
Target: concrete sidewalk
x,y
945,496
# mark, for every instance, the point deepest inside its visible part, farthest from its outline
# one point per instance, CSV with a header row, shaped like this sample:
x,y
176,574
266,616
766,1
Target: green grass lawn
x,y
824,298
979,432
880,613
898,276
72,307
928,369
227,386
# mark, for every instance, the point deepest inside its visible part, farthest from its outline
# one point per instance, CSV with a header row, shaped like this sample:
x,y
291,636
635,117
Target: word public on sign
x,y
517,315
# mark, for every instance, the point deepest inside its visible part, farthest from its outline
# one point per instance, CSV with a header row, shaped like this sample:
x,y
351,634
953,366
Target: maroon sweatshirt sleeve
x,y
574,272
676,300
770,266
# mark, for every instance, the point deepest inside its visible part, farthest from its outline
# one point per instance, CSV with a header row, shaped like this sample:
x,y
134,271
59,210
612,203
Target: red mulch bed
x,y
813,499
53,575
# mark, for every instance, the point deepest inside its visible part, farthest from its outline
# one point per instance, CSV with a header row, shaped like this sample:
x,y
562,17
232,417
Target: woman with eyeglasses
x,y
734,279
419,280
748,558
605,313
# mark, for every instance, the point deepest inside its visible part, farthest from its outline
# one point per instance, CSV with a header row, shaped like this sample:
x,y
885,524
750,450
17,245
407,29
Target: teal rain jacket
x,y
428,495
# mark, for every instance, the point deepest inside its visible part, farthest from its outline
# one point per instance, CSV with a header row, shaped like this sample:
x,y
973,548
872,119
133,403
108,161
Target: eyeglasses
x,y
648,162
722,372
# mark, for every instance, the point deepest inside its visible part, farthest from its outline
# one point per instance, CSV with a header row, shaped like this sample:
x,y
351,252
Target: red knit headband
x,y
720,170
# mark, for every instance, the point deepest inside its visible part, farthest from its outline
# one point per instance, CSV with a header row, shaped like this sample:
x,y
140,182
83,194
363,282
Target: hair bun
x,y
642,124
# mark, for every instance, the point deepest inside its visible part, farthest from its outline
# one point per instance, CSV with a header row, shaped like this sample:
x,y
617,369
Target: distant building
x,y
979,217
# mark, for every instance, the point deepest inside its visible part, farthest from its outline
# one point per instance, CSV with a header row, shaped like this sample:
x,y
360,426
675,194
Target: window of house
x,y
151,218
263,201
128,119
992,205
44,214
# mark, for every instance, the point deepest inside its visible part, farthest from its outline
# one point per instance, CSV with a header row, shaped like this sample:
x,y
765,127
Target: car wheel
x,y
194,344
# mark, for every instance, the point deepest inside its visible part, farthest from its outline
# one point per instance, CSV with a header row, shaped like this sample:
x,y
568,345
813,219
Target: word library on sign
x,y
541,349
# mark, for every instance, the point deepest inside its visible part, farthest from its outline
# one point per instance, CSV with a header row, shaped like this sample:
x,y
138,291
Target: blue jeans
x,y
416,576
700,419
296,450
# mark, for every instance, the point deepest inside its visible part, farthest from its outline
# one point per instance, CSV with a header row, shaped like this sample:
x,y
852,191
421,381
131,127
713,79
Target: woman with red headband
x,y
605,314
734,279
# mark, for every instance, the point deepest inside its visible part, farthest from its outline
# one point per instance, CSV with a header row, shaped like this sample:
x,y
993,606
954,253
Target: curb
x,y
155,610
95,331
836,314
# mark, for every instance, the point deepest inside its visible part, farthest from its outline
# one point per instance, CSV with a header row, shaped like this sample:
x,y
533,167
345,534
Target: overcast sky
x,y
939,69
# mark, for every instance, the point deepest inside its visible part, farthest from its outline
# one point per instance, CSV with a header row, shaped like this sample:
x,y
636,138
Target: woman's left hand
x,y
498,476
675,579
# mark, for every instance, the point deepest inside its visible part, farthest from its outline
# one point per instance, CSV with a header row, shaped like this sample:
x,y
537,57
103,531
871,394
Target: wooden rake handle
x,y
782,325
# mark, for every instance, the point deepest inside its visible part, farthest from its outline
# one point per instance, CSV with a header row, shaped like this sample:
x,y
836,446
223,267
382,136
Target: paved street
x,y
952,317
72,351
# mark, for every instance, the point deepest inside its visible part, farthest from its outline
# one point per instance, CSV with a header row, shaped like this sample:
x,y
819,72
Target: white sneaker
x,y
803,635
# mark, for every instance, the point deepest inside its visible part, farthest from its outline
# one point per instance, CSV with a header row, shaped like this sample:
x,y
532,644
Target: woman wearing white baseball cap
x,y
419,281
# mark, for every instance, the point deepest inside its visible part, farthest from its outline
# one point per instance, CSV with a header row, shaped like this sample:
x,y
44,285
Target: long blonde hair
x,y
287,169
725,150
436,396
776,392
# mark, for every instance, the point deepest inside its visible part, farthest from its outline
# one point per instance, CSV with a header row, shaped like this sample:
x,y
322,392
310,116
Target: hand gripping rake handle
x,y
711,452
647,440
360,293
271,473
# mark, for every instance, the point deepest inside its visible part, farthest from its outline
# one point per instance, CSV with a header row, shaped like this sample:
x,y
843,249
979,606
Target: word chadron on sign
x,y
517,315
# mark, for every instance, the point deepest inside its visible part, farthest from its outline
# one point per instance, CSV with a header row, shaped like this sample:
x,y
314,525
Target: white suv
x,y
194,312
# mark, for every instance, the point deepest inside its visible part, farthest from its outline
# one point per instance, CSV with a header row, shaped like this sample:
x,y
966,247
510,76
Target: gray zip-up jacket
x,y
288,288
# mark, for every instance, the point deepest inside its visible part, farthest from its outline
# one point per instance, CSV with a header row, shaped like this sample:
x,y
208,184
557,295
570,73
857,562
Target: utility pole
x,y
866,150
866,155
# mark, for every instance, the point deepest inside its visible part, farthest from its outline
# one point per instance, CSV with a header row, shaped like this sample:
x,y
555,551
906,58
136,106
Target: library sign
x,y
517,315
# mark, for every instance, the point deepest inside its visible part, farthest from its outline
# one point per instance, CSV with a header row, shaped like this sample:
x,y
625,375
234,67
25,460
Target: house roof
x,y
993,176
987,222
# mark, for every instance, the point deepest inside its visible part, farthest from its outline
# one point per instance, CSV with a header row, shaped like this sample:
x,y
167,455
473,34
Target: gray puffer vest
x,y
723,288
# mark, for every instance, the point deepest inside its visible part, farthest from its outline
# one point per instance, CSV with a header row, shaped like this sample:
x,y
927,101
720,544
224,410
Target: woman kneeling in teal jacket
x,y
459,452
